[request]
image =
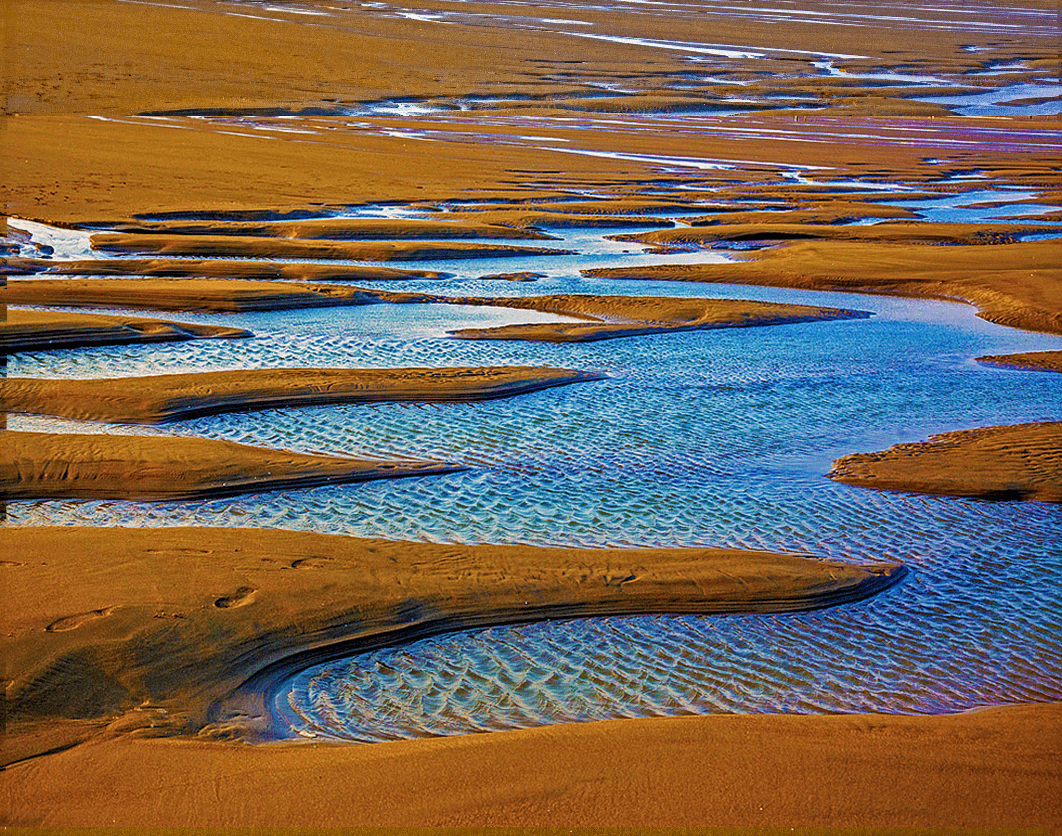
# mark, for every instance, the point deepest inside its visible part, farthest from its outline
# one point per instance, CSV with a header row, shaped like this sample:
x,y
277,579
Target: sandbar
x,y
102,623
42,330
208,295
1013,462
625,316
339,229
251,247
160,468
1019,285
217,269
157,399
1040,361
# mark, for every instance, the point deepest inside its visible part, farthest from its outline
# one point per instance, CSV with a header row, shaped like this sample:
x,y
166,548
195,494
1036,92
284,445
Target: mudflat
x,y
1021,461
157,399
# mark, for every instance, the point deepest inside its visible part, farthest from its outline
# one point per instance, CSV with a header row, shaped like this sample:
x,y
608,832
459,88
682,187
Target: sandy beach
x,y
396,234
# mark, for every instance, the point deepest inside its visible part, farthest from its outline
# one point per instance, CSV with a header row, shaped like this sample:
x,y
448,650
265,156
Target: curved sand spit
x,y
53,466
1023,461
202,622
42,330
173,397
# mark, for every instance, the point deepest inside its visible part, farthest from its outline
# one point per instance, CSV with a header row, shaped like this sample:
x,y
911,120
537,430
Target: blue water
x,y
717,438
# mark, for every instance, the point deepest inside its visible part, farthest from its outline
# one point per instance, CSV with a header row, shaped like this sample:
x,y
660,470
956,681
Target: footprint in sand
x,y
310,563
72,622
240,598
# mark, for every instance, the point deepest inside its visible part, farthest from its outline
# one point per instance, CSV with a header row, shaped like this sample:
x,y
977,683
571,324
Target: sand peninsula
x,y
1032,361
1017,462
158,399
263,114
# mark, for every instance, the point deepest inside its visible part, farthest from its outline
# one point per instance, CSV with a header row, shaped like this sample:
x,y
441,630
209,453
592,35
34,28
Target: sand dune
x,y
1023,461
174,397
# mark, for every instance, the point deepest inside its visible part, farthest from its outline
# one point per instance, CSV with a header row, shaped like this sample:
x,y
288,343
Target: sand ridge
x,y
306,596
1017,284
70,465
1021,461
23,330
1043,361
173,397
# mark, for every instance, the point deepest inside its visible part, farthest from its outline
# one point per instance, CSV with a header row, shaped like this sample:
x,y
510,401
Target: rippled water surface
x,y
714,438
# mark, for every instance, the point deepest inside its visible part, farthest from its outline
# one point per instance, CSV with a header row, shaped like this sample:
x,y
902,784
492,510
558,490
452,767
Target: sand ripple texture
x,y
713,438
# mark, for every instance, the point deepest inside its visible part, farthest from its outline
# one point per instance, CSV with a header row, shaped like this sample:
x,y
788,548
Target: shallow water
x,y
715,438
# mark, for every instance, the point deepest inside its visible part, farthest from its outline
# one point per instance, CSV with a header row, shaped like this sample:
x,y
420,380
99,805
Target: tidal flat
x,y
564,414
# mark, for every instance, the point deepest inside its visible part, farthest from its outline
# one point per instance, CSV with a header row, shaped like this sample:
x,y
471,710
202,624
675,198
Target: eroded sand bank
x,y
104,622
53,466
1042,361
1022,461
159,398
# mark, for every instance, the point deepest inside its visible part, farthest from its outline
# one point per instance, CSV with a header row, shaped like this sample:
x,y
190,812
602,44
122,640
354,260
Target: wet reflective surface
x,y
713,438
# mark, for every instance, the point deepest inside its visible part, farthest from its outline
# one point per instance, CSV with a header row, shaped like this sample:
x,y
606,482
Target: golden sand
x,y
55,466
1022,461
172,397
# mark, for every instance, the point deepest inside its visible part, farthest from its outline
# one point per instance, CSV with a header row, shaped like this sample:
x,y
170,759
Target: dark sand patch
x,y
1019,285
41,330
157,468
160,398
1018,462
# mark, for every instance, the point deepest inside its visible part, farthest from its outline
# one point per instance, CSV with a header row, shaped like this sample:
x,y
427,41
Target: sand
x,y
1019,285
1042,361
1018,462
993,769
222,246
219,269
62,466
174,397
626,316
42,330
338,229
112,624
204,295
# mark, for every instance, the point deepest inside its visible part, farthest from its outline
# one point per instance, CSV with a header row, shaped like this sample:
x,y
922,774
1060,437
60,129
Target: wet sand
x,y
994,769
41,330
223,246
1019,462
627,316
237,609
59,466
1040,361
160,398
1019,285
99,126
